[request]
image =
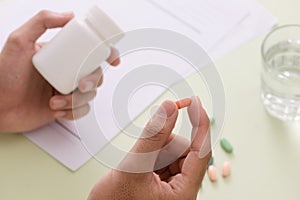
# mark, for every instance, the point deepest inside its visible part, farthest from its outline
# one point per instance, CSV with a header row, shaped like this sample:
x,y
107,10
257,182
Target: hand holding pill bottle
x,y
77,50
29,101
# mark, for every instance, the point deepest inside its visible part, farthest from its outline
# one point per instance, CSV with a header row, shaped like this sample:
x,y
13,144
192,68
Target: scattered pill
x,y
211,161
183,103
212,121
212,173
226,145
226,169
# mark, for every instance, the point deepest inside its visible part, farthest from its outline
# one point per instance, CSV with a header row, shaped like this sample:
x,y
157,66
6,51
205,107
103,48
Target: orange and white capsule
x,y
183,103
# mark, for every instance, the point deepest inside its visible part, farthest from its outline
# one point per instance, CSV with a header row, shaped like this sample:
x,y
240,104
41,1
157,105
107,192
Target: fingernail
x,y
57,104
160,112
60,114
88,86
68,13
158,120
166,109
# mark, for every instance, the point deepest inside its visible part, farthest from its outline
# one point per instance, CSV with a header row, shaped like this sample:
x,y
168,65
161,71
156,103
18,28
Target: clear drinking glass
x,y
281,72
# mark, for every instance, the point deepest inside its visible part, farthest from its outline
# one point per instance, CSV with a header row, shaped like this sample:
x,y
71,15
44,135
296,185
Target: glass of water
x,y
281,72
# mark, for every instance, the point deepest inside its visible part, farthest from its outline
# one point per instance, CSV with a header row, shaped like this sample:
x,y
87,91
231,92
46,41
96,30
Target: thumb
x,y
143,155
42,21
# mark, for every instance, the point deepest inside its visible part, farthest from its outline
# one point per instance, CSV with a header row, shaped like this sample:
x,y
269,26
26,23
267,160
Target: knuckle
x,y
151,130
43,14
16,39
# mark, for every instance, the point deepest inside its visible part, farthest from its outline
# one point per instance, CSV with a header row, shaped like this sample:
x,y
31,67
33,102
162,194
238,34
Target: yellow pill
x,y
226,169
212,173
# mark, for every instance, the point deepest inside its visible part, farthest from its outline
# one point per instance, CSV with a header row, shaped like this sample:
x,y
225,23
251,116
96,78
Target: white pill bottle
x,y
77,50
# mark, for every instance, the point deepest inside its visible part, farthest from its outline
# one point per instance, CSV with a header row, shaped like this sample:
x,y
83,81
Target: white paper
x,y
60,144
215,21
258,21
134,14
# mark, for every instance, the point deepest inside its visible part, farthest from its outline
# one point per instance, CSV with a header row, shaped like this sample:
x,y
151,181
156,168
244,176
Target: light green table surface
x,y
265,163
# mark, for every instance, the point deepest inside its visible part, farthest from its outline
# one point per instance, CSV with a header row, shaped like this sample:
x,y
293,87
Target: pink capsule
x,y
212,173
226,169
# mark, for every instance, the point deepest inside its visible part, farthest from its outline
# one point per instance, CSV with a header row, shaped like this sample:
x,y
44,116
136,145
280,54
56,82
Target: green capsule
x,y
226,145
212,121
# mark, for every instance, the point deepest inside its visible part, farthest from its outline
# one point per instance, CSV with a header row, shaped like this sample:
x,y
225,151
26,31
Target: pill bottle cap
x,y
104,25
